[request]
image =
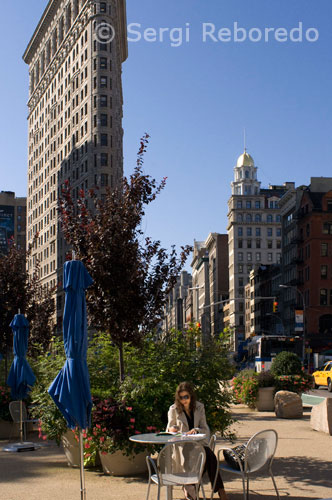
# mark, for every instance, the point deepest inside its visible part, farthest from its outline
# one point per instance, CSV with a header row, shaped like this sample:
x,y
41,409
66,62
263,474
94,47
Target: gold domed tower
x,y
245,176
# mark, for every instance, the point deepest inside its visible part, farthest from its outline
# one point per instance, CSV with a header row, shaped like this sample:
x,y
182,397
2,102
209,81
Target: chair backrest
x,y
212,442
183,459
260,450
14,410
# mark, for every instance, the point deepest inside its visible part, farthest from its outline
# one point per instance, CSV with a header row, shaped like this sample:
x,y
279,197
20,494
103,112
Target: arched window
x,y
269,218
247,174
248,218
258,217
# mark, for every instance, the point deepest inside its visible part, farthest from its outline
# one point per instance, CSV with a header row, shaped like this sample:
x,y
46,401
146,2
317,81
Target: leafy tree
x,y
24,293
132,274
286,363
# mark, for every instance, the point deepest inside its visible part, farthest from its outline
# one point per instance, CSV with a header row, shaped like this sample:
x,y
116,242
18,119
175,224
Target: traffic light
x,y
275,307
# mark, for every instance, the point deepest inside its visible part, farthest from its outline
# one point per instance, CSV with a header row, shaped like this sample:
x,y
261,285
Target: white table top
x,y
152,438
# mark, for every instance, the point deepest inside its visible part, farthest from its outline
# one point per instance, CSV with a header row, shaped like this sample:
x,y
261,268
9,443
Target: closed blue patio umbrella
x,y
21,377
70,389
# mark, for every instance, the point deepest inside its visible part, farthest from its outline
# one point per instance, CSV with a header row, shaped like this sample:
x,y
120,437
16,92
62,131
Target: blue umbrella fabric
x,y
20,377
70,389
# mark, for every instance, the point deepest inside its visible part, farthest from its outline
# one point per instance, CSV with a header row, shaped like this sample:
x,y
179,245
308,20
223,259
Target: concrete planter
x,y
265,400
71,449
118,464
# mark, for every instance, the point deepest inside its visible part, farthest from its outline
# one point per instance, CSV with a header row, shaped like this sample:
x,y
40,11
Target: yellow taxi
x,y
323,376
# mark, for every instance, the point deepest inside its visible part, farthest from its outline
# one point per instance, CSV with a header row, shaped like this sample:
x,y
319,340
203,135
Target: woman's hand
x,y
175,428
193,431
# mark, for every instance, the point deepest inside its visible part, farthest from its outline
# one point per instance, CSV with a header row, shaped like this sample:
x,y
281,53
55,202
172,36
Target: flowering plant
x,y
113,423
245,388
295,383
4,403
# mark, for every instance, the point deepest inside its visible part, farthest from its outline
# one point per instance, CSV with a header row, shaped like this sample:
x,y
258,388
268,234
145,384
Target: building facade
x,y
12,221
175,309
314,268
254,234
75,115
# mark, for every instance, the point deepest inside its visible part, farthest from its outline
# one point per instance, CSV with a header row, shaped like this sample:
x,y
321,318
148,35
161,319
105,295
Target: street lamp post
x,y
303,305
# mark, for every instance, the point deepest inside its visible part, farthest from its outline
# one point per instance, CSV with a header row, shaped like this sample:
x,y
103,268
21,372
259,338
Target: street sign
x,y
299,320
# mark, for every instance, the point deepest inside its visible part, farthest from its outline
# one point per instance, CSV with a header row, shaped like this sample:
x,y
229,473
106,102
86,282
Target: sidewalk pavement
x,y
302,468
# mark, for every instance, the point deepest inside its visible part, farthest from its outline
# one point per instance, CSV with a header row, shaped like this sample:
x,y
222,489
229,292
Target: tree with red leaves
x,y
21,292
132,274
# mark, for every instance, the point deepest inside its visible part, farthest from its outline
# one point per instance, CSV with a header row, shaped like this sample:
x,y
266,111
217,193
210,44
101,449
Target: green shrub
x,y
295,383
154,371
286,363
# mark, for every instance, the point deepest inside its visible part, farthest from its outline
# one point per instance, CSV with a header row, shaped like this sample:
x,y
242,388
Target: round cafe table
x,y
152,438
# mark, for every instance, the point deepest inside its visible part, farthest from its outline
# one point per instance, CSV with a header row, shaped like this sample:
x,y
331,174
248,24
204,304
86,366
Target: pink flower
x,y
88,455
132,420
104,429
44,438
86,446
138,432
129,408
102,439
89,438
104,452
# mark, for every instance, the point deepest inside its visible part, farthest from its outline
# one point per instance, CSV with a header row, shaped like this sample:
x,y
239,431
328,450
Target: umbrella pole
x,y
21,421
83,490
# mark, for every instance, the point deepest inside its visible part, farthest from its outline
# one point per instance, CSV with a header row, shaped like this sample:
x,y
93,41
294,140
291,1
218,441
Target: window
x,y
248,218
249,231
278,258
103,120
269,231
248,243
307,273
103,7
258,218
240,268
327,228
278,231
240,231
323,272
239,204
257,204
249,256
329,205
278,218
240,243
103,82
324,249
269,257
239,218
103,101
240,256
240,281
323,297
104,140
258,243
104,159
269,218
103,63
104,180
258,231
269,243
240,320
248,204
278,243
307,229
258,256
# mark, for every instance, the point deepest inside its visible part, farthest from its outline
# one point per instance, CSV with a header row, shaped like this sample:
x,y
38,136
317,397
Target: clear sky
x,y
195,100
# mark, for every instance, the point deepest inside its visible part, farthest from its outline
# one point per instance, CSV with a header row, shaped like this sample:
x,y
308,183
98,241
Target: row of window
x,y
257,218
257,243
255,204
258,231
258,256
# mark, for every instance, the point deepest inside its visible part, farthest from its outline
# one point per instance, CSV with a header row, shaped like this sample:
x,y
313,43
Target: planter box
x,y
265,400
71,449
118,464
8,430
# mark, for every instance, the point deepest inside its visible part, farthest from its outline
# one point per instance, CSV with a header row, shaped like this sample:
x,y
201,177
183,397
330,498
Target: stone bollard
x,y
288,405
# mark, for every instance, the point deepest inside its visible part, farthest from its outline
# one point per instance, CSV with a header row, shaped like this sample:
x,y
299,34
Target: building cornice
x,y
48,16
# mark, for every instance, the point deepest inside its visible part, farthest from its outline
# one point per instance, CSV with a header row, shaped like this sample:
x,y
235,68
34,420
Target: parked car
x,y
323,376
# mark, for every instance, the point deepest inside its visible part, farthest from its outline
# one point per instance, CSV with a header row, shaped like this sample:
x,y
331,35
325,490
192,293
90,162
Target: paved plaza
x,y
302,467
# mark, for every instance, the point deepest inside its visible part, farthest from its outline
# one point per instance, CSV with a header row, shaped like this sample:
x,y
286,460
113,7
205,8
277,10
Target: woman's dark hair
x,y
185,387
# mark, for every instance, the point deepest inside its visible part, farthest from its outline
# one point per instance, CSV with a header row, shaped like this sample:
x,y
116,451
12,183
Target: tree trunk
x,y
121,363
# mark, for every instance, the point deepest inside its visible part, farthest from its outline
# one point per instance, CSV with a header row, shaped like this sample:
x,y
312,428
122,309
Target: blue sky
x,y
196,99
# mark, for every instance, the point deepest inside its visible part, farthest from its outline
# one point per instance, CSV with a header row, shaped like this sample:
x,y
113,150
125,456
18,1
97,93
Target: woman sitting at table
x,y
188,415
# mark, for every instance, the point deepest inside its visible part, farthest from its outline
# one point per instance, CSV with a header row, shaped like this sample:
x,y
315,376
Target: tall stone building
x,y
75,114
254,234
12,220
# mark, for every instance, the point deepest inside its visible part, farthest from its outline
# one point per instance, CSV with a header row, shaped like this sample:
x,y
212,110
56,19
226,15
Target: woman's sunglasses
x,y
185,397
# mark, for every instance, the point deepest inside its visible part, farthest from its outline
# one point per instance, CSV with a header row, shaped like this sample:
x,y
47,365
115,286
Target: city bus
x,y
263,349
